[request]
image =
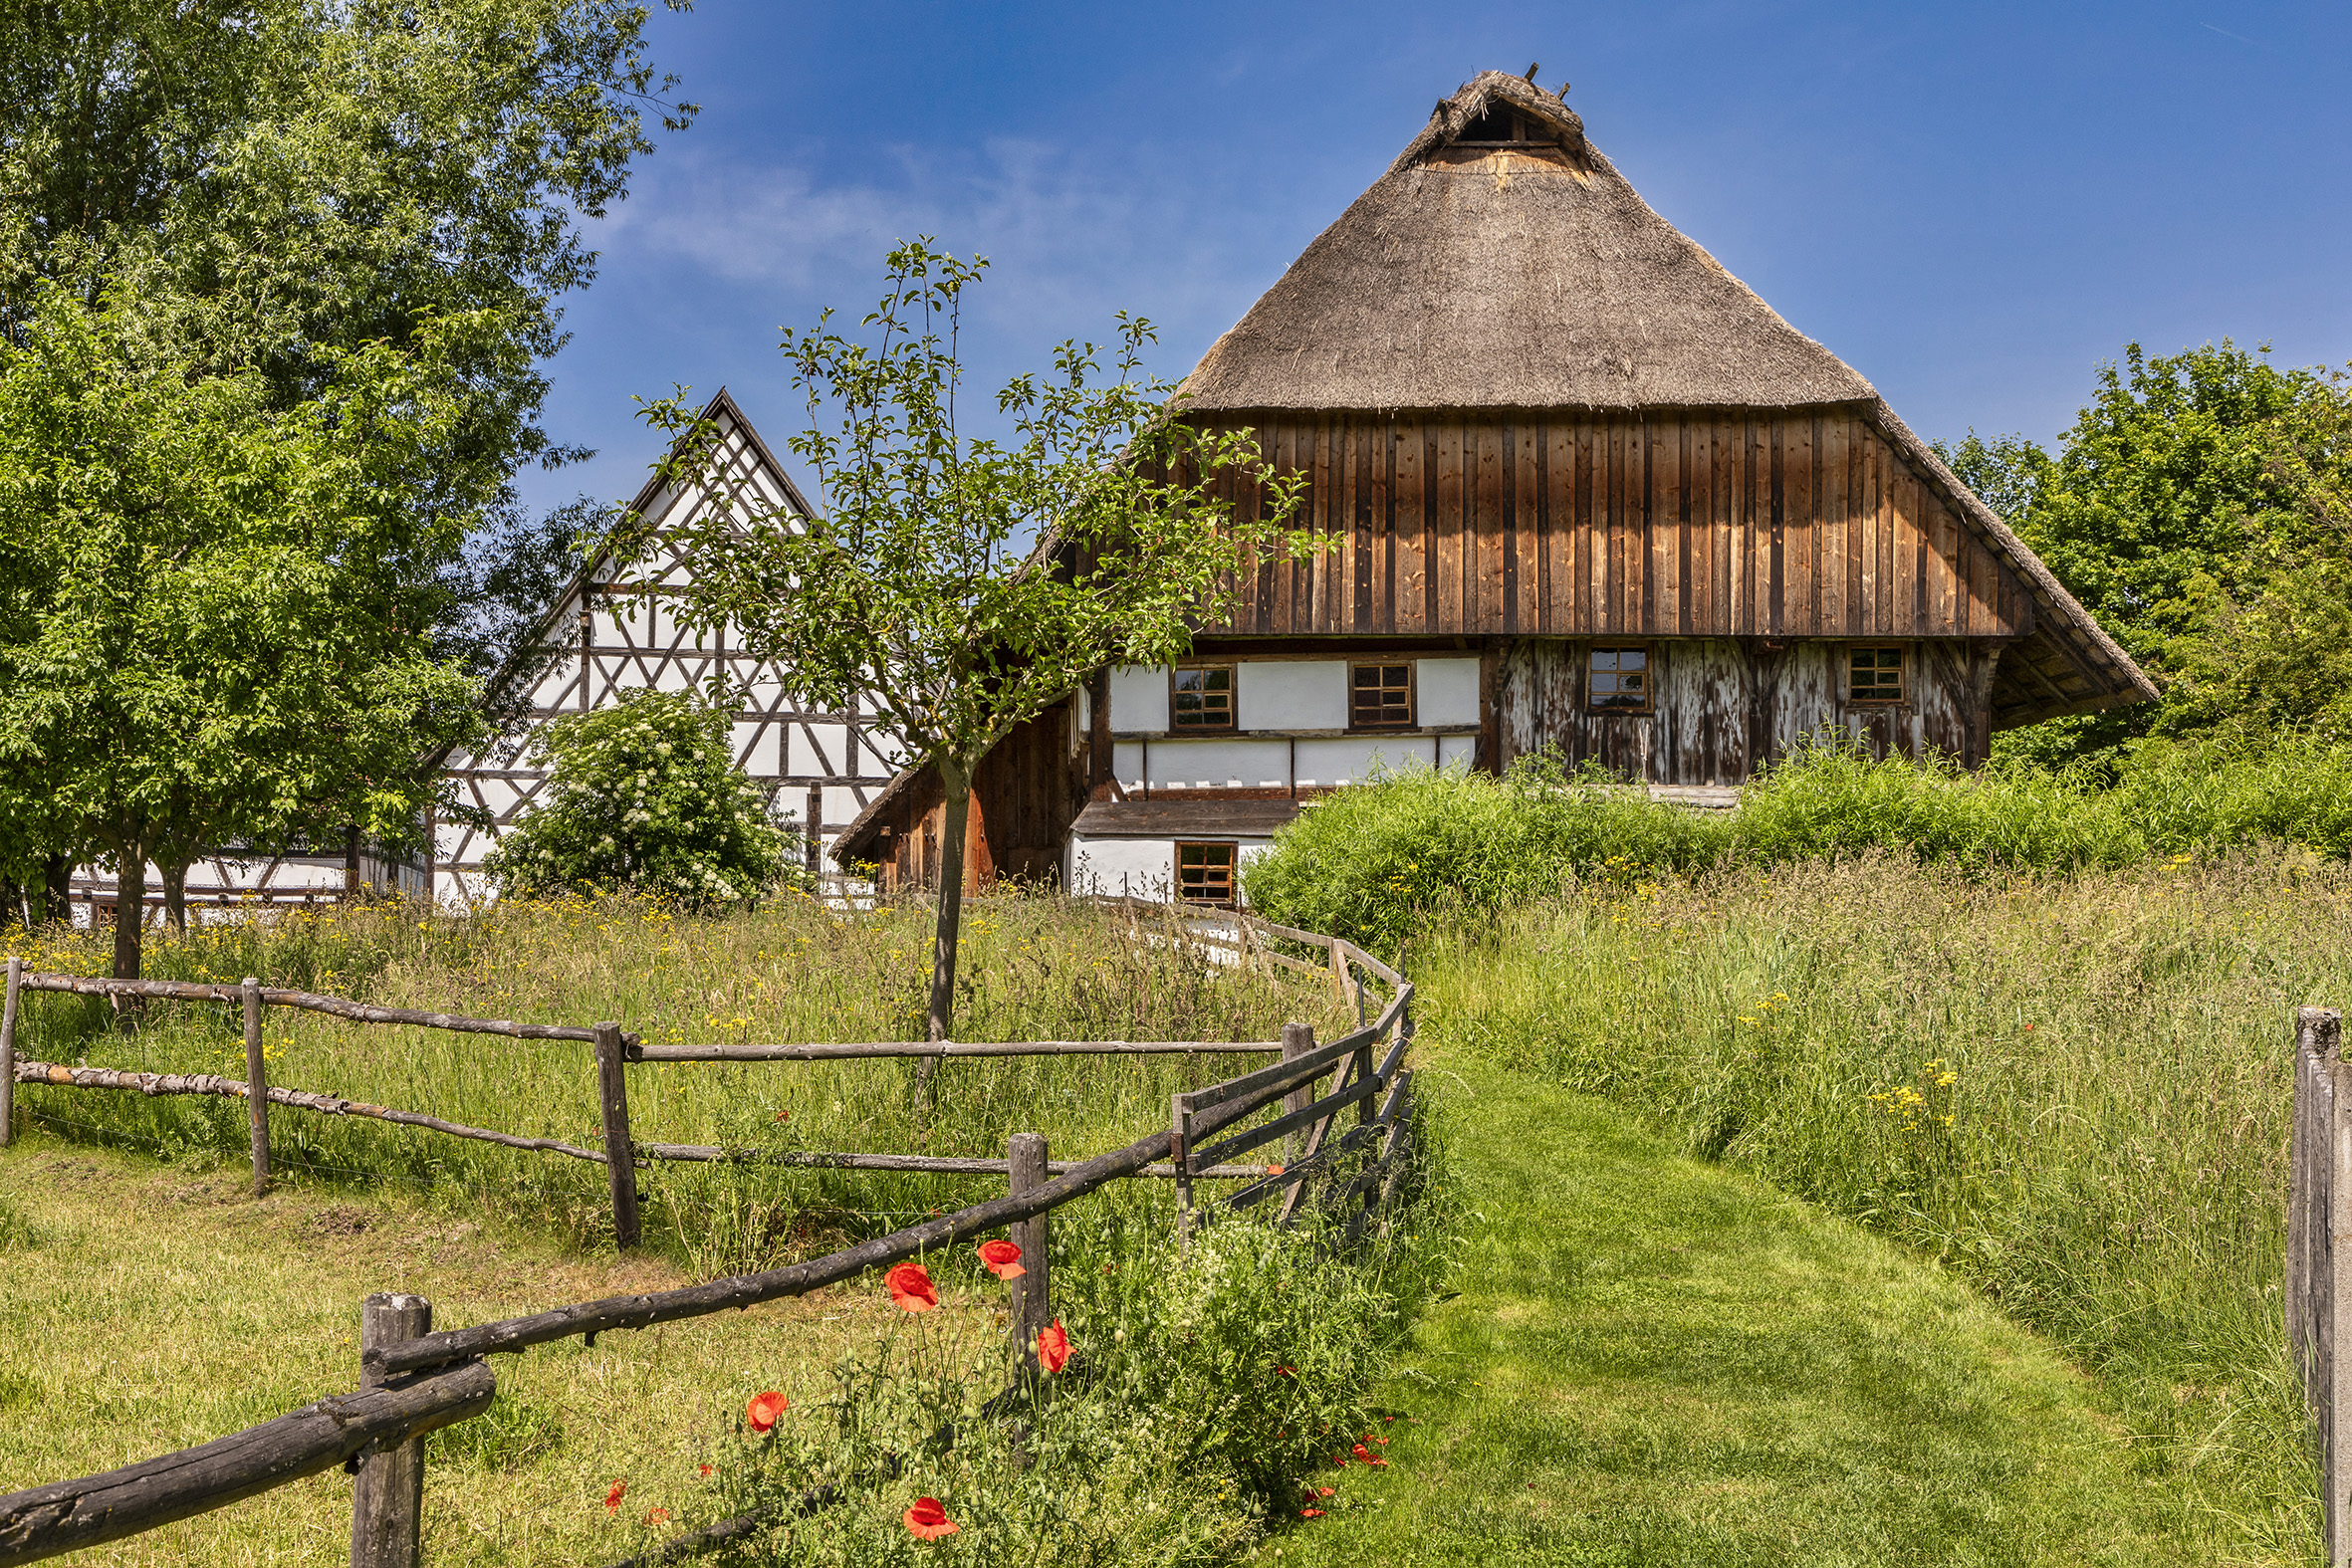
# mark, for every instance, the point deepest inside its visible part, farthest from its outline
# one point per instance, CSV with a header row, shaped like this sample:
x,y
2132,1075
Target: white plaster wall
x,y
1127,764
1323,764
1139,697
1147,865
1457,751
1293,694
1214,765
1447,691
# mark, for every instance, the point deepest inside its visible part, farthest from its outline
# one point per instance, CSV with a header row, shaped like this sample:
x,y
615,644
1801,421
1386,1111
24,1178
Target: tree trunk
x,y
176,894
130,907
59,901
956,784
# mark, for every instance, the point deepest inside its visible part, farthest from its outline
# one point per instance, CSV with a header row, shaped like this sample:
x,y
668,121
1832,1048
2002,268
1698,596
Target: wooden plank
x,y
1755,486
1448,546
1273,571
1878,590
1833,505
1408,499
1800,531
1686,557
1942,595
1353,601
1524,612
1560,539
1610,526
1374,456
1488,566
1667,455
1587,527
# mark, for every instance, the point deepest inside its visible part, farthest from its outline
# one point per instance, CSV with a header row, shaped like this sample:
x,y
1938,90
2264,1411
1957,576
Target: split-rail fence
x,y
413,1379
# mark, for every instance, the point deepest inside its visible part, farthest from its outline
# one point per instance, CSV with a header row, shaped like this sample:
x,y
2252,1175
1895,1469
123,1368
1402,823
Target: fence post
x,y
257,1088
387,1499
1180,1147
16,977
1298,1040
619,1161
1033,1291
1338,971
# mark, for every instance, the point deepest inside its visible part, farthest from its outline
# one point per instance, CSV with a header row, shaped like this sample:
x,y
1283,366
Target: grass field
x,y
1034,968
1654,1362
2071,1094
149,1303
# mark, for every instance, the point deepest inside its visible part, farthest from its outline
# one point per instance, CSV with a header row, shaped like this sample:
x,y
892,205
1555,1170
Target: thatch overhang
x,y
1503,263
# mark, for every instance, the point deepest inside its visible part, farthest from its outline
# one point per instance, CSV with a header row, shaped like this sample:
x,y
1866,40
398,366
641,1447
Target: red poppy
x,y
1053,1347
658,1516
702,1470
1273,1170
911,1288
1326,1491
761,1412
1339,1460
1361,1451
1311,1513
928,1520
613,1497
1002,1259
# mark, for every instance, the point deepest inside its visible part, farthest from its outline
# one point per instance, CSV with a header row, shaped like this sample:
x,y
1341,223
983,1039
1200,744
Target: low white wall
x,y
1137,867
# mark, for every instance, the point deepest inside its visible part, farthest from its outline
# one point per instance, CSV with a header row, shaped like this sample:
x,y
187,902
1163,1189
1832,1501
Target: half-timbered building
x,y
617,633
1581,487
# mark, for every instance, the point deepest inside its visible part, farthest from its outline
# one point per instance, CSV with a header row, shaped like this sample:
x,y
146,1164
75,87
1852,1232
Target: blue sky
x,y
1972,204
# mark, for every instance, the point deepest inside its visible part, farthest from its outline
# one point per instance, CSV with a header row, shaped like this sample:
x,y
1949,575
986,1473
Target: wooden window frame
x,y
1649,684
1233,695
1233,868
1902,697
1412,668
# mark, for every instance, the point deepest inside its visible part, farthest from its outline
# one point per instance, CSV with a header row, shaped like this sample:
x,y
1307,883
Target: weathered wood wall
x,y
1804,523
1028,792
1722,708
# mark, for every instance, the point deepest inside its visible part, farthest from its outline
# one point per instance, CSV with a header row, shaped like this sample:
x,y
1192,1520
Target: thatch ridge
x,y
1528,276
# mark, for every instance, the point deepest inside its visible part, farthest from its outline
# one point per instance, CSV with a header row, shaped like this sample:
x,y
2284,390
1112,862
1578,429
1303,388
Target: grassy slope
x,y
162,1308
1657,1361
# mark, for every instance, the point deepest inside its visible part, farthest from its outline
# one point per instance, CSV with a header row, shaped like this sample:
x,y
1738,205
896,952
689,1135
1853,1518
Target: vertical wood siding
x,y
1798,524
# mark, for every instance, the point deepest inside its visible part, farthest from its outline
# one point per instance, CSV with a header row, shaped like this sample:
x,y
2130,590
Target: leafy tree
x,y
2191,489
215,611
646,797
264,188
962,583
277,181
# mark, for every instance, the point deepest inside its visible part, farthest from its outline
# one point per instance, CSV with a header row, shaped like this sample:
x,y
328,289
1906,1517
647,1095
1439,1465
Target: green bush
x,y
1374,862
1368,863
645,797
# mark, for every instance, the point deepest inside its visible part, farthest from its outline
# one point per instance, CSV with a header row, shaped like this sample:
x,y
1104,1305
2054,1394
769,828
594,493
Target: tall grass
x,y
2074,1091
1031,968
1373,863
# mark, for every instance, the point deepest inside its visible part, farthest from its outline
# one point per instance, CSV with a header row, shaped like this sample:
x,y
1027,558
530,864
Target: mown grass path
x,y
1656,1361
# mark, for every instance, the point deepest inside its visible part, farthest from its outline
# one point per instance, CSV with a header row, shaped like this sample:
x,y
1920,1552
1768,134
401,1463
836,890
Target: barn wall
x,y
1724,708
1699,524
1028,790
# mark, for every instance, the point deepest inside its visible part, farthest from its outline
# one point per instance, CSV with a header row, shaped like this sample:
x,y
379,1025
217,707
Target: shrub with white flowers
x,y
646,797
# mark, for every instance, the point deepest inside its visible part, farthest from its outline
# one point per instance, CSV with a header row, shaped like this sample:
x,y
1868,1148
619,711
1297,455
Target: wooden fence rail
x,y
415,1378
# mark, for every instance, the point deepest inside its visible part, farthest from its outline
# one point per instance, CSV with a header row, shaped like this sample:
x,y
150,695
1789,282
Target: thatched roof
x,y
1510,274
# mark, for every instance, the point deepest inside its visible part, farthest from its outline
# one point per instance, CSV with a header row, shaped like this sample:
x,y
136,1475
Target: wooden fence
x,y
2319,1252
413,1379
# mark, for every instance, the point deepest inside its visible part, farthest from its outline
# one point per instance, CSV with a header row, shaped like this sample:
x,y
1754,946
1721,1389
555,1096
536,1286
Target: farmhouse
x,y
613,631
1583,488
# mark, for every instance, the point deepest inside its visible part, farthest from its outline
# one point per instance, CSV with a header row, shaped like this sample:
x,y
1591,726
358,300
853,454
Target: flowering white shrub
x,y
646,797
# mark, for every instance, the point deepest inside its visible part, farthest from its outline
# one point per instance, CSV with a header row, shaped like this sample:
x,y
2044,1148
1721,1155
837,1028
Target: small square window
x,y
1618,680
1874,675
1204,874
1201,697
1381,697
